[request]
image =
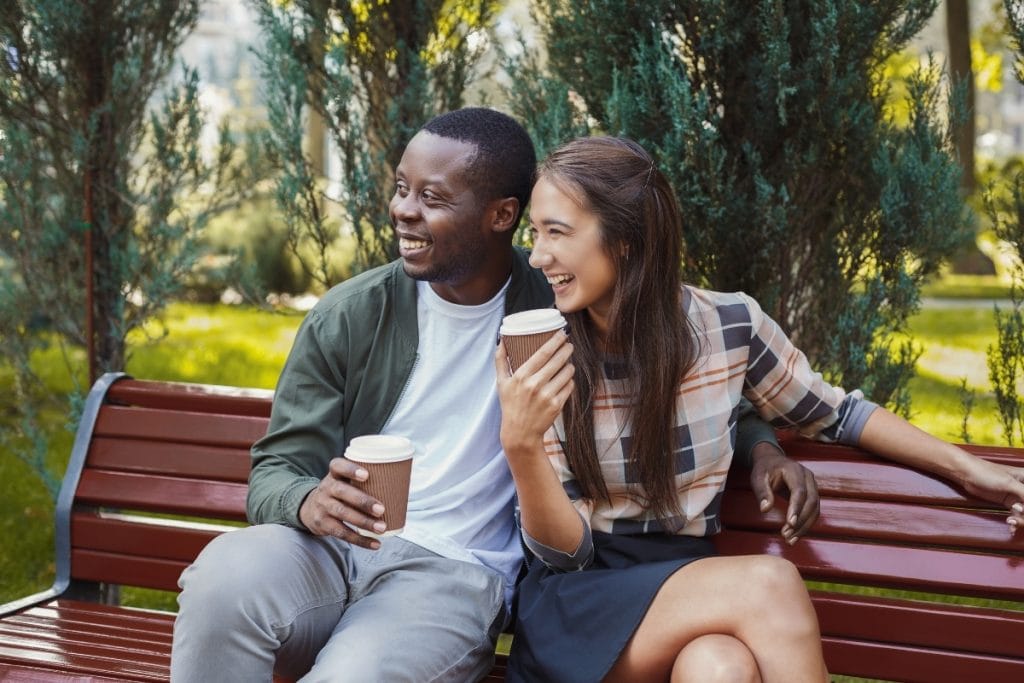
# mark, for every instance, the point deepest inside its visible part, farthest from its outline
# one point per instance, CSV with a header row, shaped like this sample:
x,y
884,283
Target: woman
x,y
620,442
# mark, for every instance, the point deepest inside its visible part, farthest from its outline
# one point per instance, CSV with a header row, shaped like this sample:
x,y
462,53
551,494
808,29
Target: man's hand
x,y
335,506
773,472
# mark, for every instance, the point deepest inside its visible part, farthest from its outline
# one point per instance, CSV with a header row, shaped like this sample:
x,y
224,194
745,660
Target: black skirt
x,y
572,627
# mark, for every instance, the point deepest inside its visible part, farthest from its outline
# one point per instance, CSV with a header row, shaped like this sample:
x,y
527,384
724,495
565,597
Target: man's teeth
x,y
412,244
559,279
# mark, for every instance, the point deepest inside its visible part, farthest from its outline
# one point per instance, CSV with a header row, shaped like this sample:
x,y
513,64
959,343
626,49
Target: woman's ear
x,y
505,212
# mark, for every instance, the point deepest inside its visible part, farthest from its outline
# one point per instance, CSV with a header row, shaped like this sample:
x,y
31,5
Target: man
x,y
405,349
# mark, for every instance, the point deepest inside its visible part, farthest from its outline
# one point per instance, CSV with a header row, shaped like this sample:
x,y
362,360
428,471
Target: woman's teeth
x,y
559,279
412,244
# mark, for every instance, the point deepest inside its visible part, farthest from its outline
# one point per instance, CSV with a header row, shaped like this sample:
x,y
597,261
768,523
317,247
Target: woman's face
x,y
568,248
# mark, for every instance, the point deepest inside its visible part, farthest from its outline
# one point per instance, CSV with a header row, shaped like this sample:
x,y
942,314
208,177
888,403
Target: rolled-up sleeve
x,y
789,393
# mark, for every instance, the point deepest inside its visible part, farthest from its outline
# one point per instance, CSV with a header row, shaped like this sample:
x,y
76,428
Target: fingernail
x,y
375,545
792,540
380,527
1017,507
1012,521
792,520
378,509
361,473
765,505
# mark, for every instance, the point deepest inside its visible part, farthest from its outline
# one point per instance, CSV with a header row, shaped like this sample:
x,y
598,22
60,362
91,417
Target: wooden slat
x,y
927,569
918,623
107,615
11,673
878,521
138,666
176,459
128,570
223,500
206,398
152,424
917,665
95,625
138,536
57,636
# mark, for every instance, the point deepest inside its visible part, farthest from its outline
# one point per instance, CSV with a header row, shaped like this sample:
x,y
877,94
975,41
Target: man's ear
x,y
504,213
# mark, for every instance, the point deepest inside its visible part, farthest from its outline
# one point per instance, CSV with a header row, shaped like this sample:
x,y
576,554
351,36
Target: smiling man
x,y
405,349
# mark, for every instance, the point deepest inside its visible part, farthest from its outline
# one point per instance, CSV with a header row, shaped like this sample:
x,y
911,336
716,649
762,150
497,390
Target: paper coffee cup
x,y
524,333
388,460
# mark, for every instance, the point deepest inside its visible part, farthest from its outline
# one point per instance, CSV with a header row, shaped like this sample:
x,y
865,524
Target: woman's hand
x,y
533,396
997,483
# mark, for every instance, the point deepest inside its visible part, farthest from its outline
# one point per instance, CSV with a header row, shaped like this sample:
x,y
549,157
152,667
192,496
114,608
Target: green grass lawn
x,y
240,346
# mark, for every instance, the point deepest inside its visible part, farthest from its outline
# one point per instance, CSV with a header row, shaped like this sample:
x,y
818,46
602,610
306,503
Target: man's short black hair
x,y
505,162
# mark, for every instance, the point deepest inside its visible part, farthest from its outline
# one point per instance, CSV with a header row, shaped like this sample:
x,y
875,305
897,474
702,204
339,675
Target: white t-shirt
x,y
461,493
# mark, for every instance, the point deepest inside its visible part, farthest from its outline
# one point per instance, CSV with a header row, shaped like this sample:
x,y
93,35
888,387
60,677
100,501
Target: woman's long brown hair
x,y
640,228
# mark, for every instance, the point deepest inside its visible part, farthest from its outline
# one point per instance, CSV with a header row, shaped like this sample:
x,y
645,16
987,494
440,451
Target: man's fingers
x,y
343,468
760,484
811,507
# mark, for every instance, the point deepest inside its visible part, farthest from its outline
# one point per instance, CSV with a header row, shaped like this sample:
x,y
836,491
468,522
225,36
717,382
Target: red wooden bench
x,y
148,447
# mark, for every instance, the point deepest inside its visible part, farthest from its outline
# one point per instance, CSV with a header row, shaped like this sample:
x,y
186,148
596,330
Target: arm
x,y
892,437
783,386
531,400
296,477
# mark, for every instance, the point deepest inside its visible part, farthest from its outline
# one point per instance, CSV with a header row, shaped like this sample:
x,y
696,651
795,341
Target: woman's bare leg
x,y
759,600
716,659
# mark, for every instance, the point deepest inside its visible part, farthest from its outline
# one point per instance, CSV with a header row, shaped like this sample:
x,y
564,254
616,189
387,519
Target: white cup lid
x,y
379,448
532,322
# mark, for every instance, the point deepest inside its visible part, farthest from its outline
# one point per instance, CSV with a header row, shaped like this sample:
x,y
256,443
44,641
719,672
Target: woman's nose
x,y
539,257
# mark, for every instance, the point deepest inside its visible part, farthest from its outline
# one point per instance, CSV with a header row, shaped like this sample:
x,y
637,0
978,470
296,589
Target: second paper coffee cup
x,y
388,459
525,332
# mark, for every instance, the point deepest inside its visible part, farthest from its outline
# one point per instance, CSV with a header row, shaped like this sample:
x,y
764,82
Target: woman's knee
x,y
776,577
716,658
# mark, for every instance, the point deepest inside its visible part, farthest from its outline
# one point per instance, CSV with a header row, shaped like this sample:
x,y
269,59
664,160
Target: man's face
x,y
437,218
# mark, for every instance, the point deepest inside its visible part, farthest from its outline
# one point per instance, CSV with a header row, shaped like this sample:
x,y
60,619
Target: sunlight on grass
x,y
954,343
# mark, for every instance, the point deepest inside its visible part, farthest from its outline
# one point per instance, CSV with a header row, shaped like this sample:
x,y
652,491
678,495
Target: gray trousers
x,y
268,598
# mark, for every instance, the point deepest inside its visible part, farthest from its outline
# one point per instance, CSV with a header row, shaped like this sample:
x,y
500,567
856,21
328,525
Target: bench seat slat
x,y
134,491
177,459
980,575
141,667
229,431
918,623
94,612
882,522
25,622
917,665
29,674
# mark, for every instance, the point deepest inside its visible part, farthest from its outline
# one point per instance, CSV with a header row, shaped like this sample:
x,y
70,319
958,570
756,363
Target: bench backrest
x,y
165,449
183,450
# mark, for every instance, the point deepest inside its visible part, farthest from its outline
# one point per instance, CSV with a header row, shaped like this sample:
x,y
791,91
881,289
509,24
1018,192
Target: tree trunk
x,y
961,73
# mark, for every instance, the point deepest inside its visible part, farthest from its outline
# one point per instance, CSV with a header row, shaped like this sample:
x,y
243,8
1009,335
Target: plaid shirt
x,y
742,352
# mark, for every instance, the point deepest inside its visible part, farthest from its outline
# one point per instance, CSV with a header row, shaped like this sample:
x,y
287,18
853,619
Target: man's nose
x,y
405,208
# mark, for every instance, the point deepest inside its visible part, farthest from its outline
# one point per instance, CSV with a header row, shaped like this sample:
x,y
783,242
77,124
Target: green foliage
x,y
770,120
373,73
1004,202
94,167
